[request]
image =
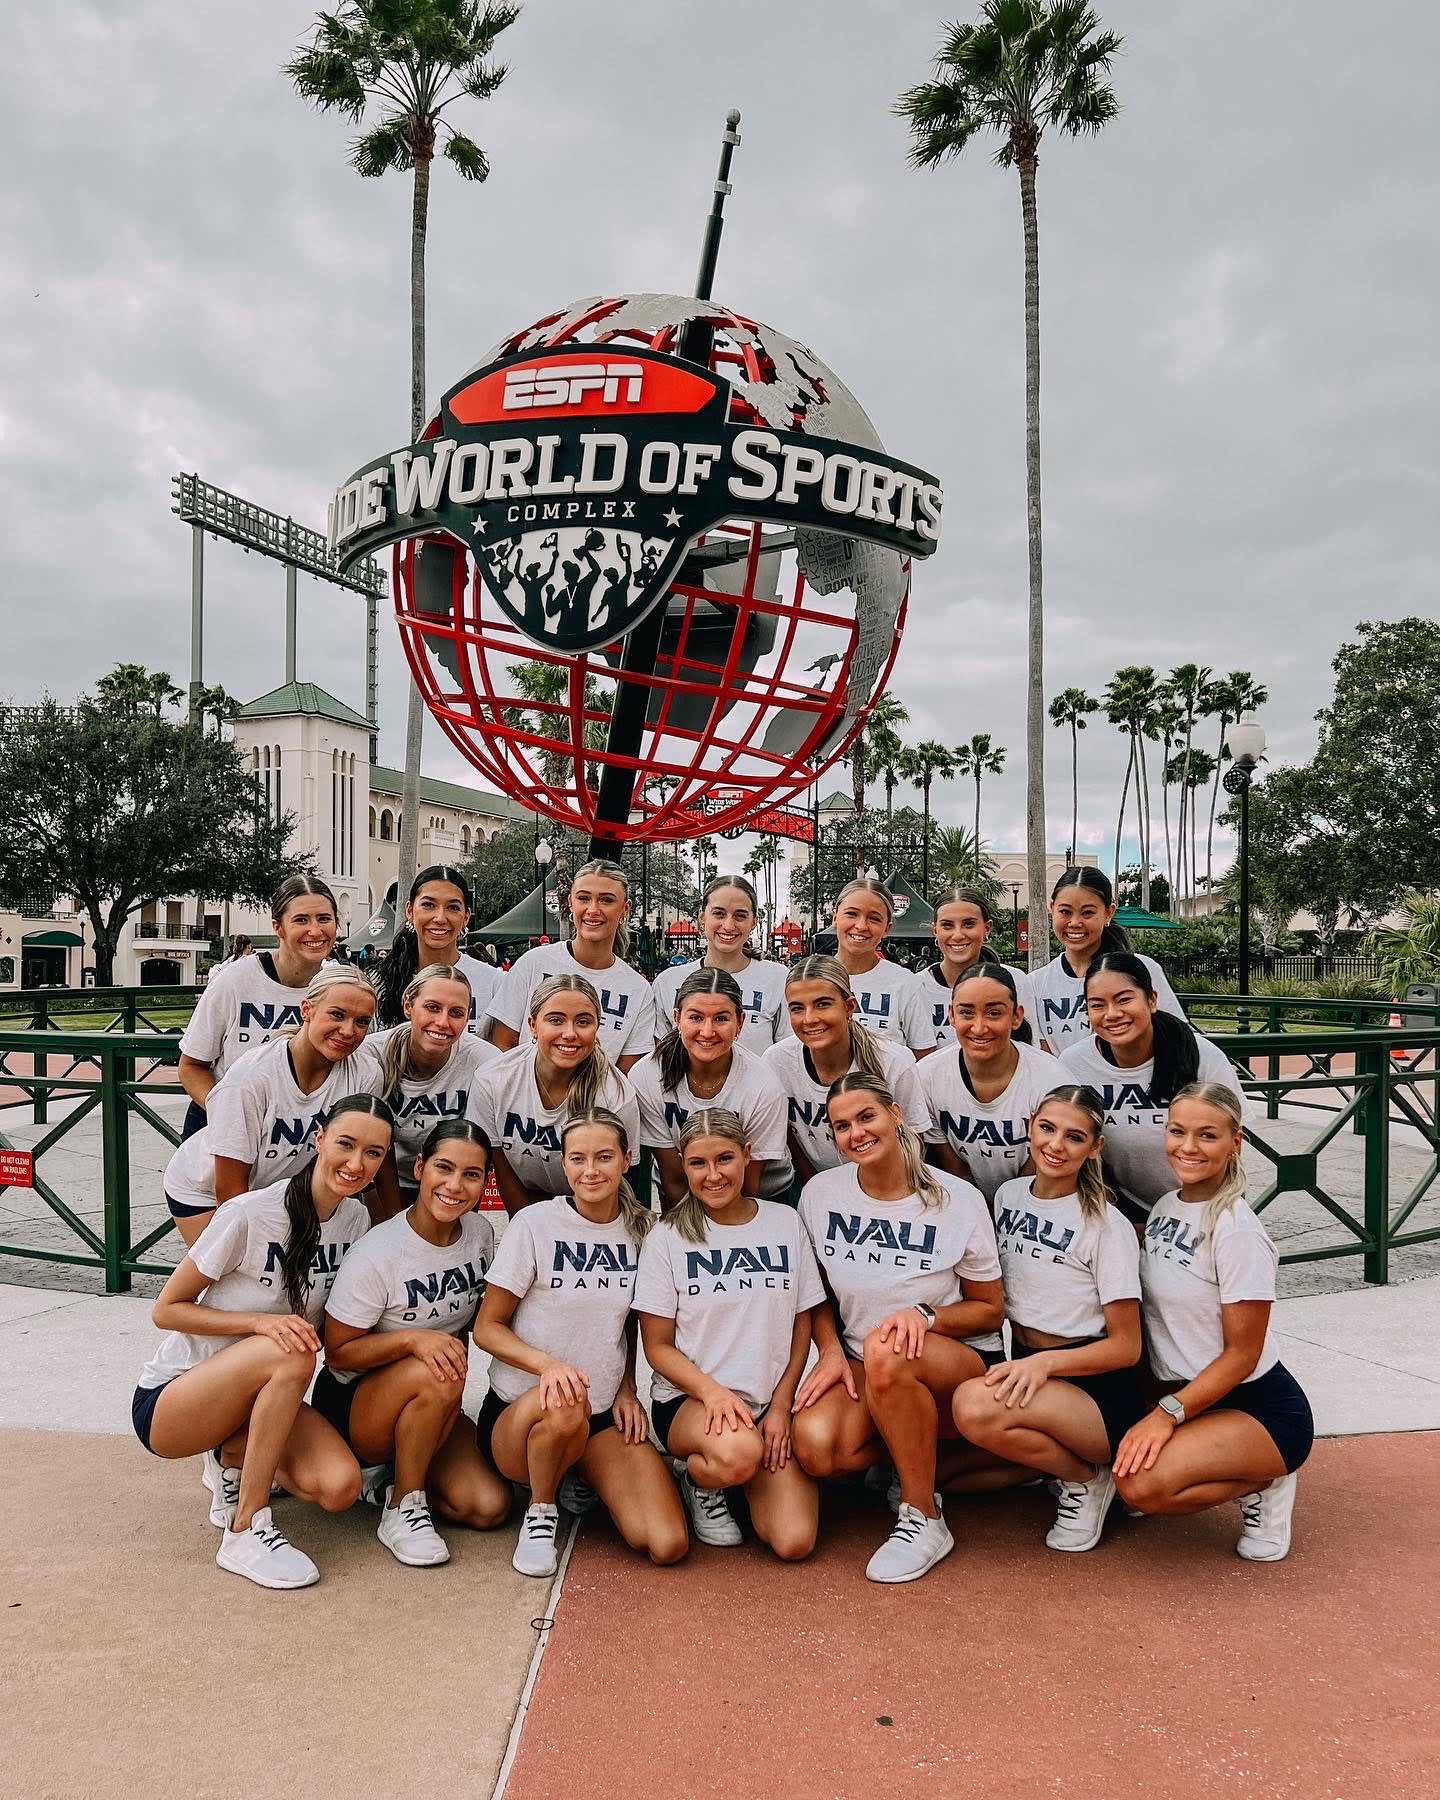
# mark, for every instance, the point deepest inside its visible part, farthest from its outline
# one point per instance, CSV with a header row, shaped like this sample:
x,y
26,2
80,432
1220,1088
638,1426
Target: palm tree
x,y
1072,706
1190,770
1027,66
1239,692
1164,728
548,686
883,747
131,688
921,764
1129,700
1187,686
959,861
980,757
412,59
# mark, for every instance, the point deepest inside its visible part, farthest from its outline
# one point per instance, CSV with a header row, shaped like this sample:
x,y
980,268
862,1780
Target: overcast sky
x,y
1238,290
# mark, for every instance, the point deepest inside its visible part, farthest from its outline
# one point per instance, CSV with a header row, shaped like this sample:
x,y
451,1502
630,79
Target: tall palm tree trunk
x,y
415,706
1035,691
1120,822
1165,808
1214,796
1143,794
1074,784
857,795
977,813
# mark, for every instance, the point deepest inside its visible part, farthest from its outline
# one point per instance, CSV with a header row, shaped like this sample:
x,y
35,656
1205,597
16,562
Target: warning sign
x,y
17,1168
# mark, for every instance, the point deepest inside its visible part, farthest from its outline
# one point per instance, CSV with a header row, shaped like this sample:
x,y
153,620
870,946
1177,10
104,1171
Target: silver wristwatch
x,y
926,1312
1169,1404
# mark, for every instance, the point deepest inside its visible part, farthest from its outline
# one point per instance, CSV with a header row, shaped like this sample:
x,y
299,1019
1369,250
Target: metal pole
x,y
290,614
814,859
197,619
1015,916
372,672
1242,1022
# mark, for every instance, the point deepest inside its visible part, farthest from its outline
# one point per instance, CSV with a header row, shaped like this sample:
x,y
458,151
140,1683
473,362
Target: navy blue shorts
x,y
491,1408
180,1211
195,1120
332,1399
1277,1401
662,1417
1116,1392
142,1411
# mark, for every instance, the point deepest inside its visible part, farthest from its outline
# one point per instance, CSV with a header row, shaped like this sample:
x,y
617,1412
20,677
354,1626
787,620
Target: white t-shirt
x,y
885,999
1060,1016
930,1004
239,1253
1187,1277
242,1007
396,1280
1061,1270
882,1255
422,1104
627,1006
257,1115
762,989
505,1102
805,1096
750,1091
1134,1124
575,1282
733,1298
485,979
992,1135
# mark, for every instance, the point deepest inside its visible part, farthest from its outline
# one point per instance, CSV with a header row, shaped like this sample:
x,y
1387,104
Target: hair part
x,y
296,887
303,1237
1176,1049
1091,1188
689,1218
588,1081
867,884
1232,1183
395,1063
635,1218
921,1177
864,1052
670,1053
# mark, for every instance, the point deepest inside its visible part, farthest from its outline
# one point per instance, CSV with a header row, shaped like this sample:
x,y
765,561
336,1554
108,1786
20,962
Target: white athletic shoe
x,y
263,1554
1080,1514
576,1495
406,1531
710,1516
913,1547
374,1483
535,1547
1265,1536
224,1486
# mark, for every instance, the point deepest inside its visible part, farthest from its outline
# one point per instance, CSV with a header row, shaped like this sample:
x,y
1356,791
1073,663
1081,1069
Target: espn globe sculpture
x,y
651,564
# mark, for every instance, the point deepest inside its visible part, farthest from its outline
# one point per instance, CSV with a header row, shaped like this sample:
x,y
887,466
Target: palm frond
x,y
328,79
467,156
382,148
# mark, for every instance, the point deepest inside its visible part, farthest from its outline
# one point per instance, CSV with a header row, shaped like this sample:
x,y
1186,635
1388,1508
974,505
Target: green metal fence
x,y
1350,1074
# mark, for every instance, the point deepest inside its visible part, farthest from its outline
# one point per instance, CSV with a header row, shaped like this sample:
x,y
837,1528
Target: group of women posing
x,y
861,1332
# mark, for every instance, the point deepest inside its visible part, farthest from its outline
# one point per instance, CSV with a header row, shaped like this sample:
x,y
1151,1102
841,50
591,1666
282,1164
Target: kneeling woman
x,y
909,1254
556,1321
725,1293
1071,1268
229,1381
1207,1270
396,1326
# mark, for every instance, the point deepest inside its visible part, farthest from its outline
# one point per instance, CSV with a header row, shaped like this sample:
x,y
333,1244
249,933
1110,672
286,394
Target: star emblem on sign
x,y
479,526
672,519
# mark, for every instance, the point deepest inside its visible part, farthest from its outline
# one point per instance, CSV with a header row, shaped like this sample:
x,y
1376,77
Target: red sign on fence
x,y
17,1168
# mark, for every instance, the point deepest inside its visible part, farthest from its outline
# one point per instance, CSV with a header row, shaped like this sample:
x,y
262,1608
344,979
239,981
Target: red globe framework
x,y
771,655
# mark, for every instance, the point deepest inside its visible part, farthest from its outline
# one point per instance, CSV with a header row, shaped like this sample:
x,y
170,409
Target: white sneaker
x,y
912,1549
374,1483
710,1514
1265,1536
576,1495
263,1554
535,1548
406,1531
224,1486
1080,1515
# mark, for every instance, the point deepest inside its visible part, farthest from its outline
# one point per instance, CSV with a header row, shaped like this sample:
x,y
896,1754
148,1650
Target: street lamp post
x,y
543,856
1247,747
1015,916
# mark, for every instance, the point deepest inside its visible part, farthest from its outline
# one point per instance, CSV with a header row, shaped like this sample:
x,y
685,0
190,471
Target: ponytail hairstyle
x,y
1091,1188
636,1219
670,1053
1177,1049
612,871
867,884
1232,1185
395,1062
730,881
296,887
303,1238
689,1217
912,1152
1113,937
864,1052
969,896
996,971
399,968
333,975
591,1077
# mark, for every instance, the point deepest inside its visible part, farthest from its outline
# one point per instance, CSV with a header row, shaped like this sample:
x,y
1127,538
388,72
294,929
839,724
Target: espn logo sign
x,y
581,385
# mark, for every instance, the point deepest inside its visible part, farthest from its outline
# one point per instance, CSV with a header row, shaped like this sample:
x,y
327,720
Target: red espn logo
x,y
581,384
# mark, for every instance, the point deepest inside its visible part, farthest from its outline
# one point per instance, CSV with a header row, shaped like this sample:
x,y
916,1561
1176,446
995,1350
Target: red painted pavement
x,y
1159,1665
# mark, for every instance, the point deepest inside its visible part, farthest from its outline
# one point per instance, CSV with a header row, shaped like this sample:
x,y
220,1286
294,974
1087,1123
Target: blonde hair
x,y
1091,1188
333,976
612,871
867,884
689,1217
864,1052
588,1081
636,1219
1232,1183
912,1152
395,1062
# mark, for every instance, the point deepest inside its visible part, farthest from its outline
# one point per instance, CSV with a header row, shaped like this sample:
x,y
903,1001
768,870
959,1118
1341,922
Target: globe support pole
x,y
642,647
